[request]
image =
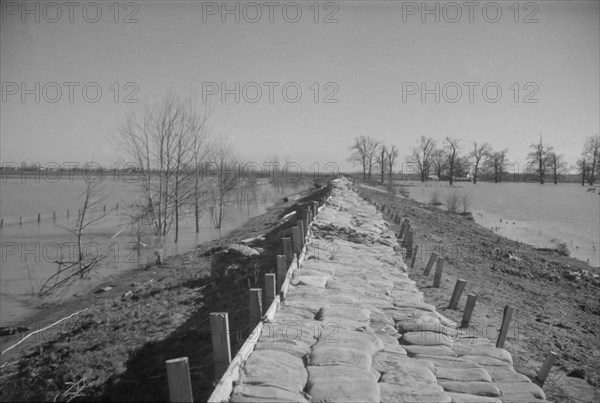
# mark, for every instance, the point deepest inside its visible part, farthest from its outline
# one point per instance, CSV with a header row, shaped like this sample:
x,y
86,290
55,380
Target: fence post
x,y
287,248
439,269
458,289
219,326
469,307
54,216
506,318
178,375
39,217
432,259
296,240
255,306
270,281
408,243
20,220
414,257
545,370
281,270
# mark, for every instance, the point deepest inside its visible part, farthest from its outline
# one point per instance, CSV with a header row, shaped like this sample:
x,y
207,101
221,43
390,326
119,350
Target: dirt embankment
x,y
116,349
557,298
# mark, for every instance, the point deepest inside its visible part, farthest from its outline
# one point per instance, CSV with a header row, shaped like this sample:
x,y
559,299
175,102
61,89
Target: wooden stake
x,y
219,326
414,257
20,220
469,307
255,305
281,270
39,217
296,240
545,370
270,284
67,213
178,375
439,269
287,248
402,229
432,259
506,318
1,222
408,243
300,224
54,216
458,290
305,223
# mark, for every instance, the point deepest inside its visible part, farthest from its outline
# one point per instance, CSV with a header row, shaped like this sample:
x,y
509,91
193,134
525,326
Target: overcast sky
x,y
368,58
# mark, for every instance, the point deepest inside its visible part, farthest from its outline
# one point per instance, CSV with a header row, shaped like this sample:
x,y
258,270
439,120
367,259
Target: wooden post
x,y
281,270
67,213
414,257
432,259
469,307
104,208
296,240
255,306
178,375
458,290
1,222
219,326
408,244
402,229
117,206
39,217
316,207
407,229
545,370
300,224
54,216
20,220
439,269
506,318
287,248
305,223
270,284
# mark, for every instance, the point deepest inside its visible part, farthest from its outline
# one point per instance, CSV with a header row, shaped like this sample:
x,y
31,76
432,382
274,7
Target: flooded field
x,y
543,215
30,251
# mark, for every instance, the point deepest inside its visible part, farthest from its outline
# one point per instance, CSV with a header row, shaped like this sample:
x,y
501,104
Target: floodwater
x,y
541,215
29,251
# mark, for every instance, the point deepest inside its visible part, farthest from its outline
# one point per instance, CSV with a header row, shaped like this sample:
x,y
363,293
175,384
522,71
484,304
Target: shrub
x,y
452,201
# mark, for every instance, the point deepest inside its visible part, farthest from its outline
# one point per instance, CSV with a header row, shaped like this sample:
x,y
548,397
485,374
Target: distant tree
x,y
496,163
462,166
363,153
480,151
538,158
451,149
421,156
438,162
391,157
226,179
557,165
381,161
591,153
582,167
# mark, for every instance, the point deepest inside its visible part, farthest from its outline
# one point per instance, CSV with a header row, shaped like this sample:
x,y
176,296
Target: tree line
x,y
450,160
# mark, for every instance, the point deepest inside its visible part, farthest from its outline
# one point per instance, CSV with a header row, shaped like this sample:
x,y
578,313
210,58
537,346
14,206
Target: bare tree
x,y
557,165
451,149
438,162
421,156
165,145
497,162
583,169
480,151
391,157
226,178
363,153
538,158
381,161
591,153
84,260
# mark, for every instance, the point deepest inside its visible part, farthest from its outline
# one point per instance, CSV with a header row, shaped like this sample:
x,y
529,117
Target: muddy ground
x,y
115,350
557,298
